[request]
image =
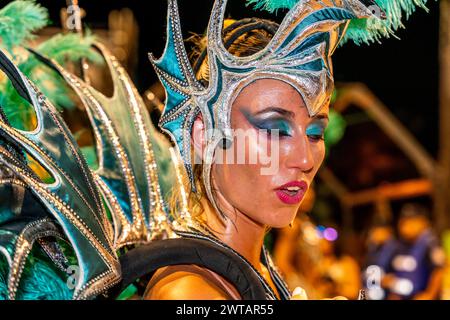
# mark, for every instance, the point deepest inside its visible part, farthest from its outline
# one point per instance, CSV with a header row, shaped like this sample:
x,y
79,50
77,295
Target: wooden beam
x,y
442,194
392,191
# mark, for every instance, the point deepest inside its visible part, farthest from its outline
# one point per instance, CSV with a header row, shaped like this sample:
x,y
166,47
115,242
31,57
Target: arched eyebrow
x,y
321,116
281,111
290,114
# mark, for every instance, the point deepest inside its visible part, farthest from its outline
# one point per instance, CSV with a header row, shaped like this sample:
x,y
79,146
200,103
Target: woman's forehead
x,y
271,90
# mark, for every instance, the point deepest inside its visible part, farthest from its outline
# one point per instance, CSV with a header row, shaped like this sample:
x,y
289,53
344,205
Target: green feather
x,y
70,46
272,5
18,20
62,48
40,281
374,29
361,30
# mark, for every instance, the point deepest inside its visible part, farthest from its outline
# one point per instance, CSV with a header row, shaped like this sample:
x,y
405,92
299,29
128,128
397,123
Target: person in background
x,y
381,246
339,272
417,265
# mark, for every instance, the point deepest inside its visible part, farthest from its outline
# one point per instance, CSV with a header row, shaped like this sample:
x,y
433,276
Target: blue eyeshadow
x,y
315,129
274,123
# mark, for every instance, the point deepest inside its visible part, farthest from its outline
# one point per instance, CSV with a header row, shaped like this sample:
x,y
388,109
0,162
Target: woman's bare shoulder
x,y
182,282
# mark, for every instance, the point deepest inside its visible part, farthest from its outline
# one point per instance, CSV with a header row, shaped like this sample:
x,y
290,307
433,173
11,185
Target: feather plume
x,y
360,30
18,20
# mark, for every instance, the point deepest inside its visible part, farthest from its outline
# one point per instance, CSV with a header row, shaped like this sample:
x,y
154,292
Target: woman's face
x,y
270,197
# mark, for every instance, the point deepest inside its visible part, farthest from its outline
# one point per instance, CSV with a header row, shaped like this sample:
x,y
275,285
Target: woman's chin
x,y
282,225
283,220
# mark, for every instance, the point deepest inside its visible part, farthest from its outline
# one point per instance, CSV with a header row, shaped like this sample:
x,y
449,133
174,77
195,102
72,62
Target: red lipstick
x,y
292,192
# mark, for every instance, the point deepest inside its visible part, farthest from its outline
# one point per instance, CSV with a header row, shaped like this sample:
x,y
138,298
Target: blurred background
x,y
378,214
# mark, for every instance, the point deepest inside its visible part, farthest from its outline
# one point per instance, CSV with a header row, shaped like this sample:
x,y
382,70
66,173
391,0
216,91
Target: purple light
x,y
330,234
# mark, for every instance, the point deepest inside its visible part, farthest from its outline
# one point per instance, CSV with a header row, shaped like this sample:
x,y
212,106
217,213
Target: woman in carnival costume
x,y
247,118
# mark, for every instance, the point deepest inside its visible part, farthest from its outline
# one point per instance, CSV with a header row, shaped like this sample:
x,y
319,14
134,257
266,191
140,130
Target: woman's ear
x,y
198,136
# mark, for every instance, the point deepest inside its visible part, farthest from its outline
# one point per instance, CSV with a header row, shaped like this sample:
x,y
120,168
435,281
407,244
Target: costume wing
x,y
135,171
68,207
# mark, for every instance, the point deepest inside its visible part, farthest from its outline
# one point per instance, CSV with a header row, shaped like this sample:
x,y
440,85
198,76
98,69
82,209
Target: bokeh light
x,y
330,234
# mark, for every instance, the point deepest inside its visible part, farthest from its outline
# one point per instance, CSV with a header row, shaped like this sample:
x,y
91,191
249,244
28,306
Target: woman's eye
x,y
269,125
315,132
280,126
316,137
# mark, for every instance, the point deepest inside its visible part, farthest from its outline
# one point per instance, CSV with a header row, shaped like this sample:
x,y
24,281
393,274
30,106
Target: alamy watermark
x,y
74,276
73,18
246,147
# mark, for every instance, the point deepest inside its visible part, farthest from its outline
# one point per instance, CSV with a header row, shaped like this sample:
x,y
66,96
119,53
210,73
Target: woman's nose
x,y
300,155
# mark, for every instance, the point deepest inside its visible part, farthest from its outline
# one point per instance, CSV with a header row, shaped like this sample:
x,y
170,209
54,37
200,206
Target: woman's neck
x,y
237,231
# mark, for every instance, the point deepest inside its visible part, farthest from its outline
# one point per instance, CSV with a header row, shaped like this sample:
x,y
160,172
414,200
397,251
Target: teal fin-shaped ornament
x,y
176,74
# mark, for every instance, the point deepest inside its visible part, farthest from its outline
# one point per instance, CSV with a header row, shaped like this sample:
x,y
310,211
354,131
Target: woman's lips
x,y
292,192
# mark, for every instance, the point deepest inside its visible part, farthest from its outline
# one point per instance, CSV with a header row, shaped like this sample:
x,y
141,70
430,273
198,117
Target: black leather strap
x,y
11,72
145,260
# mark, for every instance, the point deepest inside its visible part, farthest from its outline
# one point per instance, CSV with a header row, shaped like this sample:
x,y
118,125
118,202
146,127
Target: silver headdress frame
x,y
298,54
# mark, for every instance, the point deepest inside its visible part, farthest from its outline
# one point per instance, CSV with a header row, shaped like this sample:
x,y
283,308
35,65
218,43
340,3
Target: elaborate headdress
x,y
299,54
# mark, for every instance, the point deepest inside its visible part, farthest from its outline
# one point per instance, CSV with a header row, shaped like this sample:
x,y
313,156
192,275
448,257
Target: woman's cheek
x,y
257,148
319,154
